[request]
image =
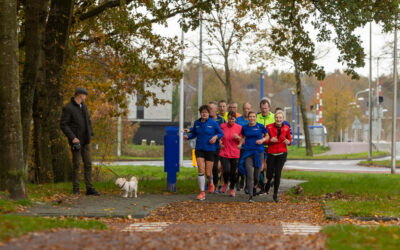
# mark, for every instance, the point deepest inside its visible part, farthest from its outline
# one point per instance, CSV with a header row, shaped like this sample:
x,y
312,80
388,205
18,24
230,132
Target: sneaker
x,y
92,191
237,186
75,191
251,199
275,198
201,196
224,188
232,193
255,191
246,191
211,188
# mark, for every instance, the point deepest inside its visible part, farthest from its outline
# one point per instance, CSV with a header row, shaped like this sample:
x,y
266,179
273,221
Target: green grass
x,y
381,163
12,226
364,194
7,206
300,153
359,237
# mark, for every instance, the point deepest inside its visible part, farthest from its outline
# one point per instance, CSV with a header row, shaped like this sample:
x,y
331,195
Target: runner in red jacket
x,y
279,138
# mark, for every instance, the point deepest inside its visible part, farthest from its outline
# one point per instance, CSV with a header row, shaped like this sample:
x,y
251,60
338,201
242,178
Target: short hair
x,y
221,101
277,109
264,101
231,103
280,112
204,107
212,102
246,103
251,112
232,113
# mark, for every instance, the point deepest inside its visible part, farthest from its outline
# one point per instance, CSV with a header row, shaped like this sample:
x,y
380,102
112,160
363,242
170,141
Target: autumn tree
x,y
227,28
12,171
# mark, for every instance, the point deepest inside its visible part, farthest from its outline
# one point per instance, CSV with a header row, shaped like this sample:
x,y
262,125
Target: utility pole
x,y
370,95
181,108
394,114
200,85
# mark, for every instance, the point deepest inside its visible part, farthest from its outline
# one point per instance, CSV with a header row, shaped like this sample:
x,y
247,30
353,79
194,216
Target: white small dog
x,y
127,186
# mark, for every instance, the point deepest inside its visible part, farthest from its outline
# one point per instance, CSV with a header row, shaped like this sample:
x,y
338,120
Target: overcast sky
x,y
329,61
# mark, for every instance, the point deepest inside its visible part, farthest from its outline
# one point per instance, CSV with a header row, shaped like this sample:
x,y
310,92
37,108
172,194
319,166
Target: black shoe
x,y
92,191
275,198
255,191
246,191
251,199
75,191
237,187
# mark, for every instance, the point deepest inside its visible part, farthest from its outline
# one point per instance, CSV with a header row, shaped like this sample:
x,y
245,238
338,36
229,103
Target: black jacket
x,y
75,122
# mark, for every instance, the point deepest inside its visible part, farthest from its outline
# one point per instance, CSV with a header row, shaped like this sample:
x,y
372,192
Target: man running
x,y
222,109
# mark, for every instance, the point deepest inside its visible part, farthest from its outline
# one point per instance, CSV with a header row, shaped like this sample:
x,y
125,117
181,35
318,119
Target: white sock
x,y
201,180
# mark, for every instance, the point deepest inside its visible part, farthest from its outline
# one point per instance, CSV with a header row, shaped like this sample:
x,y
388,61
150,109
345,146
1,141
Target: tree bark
x,y
35,23
302,104
228,86
57,35
12,171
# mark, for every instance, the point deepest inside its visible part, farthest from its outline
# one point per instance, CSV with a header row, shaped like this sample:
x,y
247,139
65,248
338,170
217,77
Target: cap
x,y
81,90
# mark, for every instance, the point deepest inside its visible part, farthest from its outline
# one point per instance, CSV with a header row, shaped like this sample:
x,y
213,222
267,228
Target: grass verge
x,y
352,194
381,163
12,226
300,154
358,237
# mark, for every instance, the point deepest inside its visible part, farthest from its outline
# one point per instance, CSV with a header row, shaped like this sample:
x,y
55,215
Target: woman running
x,y
229,152
207,132
279,138
254,135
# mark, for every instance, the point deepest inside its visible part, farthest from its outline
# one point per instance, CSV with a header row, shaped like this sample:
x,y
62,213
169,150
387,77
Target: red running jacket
x,y
280,146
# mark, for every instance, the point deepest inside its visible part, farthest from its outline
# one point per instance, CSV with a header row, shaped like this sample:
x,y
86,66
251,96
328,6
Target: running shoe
x,y
201,196
275,198
232,193
251,199
224,188
211,188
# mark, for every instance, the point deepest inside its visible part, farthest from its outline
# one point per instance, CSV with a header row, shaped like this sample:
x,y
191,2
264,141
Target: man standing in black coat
x,y
76,125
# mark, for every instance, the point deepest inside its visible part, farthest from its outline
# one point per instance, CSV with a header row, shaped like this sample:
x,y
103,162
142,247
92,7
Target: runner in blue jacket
x,y
207,132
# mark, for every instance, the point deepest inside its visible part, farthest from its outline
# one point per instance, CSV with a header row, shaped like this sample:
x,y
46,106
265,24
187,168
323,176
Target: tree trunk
x,y
302,104
35,22
57,34
12,171
228,86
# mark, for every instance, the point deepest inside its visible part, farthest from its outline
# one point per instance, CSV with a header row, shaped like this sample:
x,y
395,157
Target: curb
x,y
332,159
330,215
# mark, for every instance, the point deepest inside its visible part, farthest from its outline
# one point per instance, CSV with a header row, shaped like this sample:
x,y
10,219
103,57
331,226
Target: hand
x,y
274,139
237,137
186,137
75,141
259,142
186,130
239,146
213,139
222,145
286,141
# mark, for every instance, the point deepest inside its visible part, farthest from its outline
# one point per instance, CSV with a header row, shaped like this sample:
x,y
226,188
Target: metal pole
x,y
261,86
181,108
298,126
293,118
394,114
370,95
378,137
200,90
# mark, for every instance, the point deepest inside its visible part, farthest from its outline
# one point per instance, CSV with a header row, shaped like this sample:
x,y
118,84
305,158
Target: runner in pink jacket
x,y
229,152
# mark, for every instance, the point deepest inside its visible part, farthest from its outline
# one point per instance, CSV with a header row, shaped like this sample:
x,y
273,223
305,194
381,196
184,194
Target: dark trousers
x,y
252,173
274,168
239,176
229,169
84,152
215,171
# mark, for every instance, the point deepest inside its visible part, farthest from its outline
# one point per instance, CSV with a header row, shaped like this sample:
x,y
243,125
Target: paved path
x,y
338,148
349,166
116,206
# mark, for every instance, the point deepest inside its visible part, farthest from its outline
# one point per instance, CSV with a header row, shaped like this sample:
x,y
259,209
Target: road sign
x,y
356,124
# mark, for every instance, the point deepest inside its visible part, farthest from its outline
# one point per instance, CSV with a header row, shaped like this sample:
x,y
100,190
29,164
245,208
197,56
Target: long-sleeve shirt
x,y
203,132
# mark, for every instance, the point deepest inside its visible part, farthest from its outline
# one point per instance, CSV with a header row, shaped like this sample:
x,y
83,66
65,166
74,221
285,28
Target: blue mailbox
x,y
171,156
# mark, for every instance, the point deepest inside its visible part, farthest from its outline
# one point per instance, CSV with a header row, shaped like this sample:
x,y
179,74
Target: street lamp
x,y
262,85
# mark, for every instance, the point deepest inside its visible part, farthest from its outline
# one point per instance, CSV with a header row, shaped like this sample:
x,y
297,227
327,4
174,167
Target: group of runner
x,y
234,148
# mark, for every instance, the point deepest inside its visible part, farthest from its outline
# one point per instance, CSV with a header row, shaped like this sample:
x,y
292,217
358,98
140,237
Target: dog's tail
x,y
133,178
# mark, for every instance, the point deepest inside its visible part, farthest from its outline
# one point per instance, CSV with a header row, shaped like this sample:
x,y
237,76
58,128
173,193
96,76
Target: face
x,y
264,109
233,107
204,114
252,118
213,110
246,108
279,119
222,107
231,120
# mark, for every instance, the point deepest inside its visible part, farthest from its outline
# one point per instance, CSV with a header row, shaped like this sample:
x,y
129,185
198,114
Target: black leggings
x,y
215,171
274,168
229,166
